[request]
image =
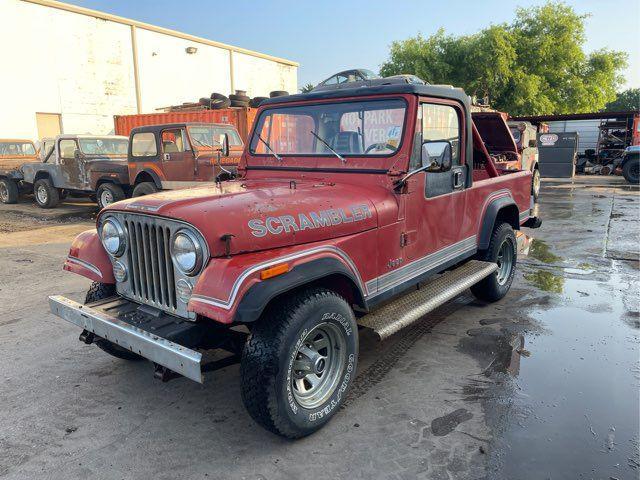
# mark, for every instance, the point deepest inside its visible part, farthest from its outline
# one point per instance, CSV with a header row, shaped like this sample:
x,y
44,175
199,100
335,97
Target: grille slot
x,y
152,279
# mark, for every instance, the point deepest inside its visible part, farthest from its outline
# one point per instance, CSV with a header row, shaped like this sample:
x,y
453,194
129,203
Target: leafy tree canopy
x,y
534,65
627,100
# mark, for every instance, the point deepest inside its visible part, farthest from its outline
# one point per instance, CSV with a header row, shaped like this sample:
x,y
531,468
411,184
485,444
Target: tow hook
x,y
87,337
163,373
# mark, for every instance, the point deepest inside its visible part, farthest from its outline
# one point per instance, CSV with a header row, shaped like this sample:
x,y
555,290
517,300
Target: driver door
x,y
178,160
436,206
71,165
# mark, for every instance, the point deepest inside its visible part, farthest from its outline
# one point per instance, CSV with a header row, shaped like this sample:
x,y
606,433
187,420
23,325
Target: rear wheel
x,y
8,191
144,188
503,251
299,361
631,170
535,184
109,193
46,195
100,291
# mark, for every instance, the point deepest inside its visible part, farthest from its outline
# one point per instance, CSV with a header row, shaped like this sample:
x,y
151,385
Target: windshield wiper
x,y
328,146
203,143
269,147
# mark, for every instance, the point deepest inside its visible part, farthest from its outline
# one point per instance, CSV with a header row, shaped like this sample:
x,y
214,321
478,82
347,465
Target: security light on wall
x,y
191,50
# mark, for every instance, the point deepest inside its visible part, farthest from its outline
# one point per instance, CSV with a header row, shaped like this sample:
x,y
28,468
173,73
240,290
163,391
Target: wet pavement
x,y
541,385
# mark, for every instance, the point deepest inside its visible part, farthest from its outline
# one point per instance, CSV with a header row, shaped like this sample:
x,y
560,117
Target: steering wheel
x,y
380,146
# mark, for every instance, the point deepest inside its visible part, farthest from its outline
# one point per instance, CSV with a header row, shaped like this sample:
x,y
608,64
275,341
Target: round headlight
x,y
113,237
187,252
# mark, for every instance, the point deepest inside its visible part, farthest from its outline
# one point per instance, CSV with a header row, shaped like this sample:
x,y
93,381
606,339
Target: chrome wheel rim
x,y
41,194
106,198
4,192
536,182
318,365
505,261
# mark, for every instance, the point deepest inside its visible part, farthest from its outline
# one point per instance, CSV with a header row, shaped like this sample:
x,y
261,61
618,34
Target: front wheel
x,y
535,185
503,251
631,171
109,193
299,362
144,188
47,196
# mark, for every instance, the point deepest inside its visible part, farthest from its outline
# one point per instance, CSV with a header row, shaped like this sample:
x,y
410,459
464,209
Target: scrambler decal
x,y
323,218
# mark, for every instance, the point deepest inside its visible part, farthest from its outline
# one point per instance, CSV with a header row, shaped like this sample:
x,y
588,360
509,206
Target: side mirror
x,y
436,156
224,141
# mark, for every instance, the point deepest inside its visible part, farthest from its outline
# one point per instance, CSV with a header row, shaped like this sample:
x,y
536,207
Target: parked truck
x,y
13,153
373,207
88,165
181,155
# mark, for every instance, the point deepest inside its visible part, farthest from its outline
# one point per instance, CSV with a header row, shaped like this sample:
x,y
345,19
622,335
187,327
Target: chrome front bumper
x,y
145,343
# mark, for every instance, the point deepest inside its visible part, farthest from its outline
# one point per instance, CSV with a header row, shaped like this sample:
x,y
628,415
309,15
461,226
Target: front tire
x,y
535,185
299,362
46,195
9,191
631,171
144,188
503,251
100,291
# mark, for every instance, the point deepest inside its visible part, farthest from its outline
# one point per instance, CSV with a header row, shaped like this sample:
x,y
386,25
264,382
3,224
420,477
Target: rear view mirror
x,y
436,156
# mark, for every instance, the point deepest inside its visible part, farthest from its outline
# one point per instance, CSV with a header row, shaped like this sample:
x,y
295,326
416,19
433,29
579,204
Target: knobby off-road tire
x,y
310,337
535,185
99,291
631,171
9,191
109,193
503,251
144,188
46,195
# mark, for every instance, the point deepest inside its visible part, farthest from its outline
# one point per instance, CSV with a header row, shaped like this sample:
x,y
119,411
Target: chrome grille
x,y
152,277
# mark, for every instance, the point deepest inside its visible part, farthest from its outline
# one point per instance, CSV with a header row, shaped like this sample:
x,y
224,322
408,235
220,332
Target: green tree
x,y
534,65
307,88
627,100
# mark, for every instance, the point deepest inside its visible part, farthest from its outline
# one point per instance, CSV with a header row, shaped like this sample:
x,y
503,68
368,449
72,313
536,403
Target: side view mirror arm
x,y
398,184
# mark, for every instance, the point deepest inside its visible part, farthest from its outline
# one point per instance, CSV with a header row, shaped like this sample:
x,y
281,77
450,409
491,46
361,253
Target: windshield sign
x,y
16,149
104,146
366,128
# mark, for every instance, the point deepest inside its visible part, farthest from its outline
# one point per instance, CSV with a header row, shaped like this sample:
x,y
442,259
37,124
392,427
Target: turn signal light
x,y
274,271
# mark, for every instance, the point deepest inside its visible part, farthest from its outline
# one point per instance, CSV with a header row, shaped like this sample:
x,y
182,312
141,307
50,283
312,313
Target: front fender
x,y
87,257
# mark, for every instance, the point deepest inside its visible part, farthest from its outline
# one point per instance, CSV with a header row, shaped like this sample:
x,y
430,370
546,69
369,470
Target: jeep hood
x,y
267,214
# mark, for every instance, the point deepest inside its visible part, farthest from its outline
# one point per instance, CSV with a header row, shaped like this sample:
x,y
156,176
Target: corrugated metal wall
x,y
588,131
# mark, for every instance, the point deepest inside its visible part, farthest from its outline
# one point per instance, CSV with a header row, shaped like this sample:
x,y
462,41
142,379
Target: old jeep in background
x,y
181,155
338,216
13,153
85,165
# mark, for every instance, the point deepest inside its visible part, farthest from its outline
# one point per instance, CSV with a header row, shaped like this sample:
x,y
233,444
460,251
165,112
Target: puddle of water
x,y
540,251
546,281
572,412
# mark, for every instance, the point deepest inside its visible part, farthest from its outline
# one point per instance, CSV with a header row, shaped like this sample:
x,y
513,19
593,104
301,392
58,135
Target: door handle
x,y
458,179
166,157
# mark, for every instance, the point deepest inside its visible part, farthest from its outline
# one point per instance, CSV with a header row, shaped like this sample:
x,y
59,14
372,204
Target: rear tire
x,y
46,195
9,191
299,362
144,188
631,171
100,291
109,193
278,93
503,251
256,101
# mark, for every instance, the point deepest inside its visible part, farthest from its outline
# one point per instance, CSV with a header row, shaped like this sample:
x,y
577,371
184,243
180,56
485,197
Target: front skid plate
x,y
175,357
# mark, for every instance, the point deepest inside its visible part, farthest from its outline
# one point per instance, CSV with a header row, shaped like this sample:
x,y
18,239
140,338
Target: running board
x,y
411,307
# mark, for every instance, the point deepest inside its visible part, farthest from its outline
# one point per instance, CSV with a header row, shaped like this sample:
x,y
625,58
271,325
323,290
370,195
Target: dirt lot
x,y
543,384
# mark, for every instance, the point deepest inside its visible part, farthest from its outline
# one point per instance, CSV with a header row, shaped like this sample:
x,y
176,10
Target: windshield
x,y
206,137
104,146
365,128
17,149
517,134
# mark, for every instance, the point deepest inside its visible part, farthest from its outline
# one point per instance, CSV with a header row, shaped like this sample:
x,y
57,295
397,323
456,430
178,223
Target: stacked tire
x,y
239,99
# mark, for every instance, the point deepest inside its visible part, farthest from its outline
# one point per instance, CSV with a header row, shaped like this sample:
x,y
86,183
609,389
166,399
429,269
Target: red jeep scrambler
x,y
338,215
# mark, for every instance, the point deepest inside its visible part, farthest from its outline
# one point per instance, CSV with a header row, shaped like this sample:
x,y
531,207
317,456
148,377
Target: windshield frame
x,y
80,140
217,146
254,131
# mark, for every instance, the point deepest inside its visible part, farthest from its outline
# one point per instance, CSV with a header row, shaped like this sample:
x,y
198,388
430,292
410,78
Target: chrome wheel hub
x,y
505,261
318,365
42,194
106,198
4,193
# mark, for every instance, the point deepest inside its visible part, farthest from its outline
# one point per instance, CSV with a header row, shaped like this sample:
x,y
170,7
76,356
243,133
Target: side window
x,y
144,145
173,141
68,148
441,130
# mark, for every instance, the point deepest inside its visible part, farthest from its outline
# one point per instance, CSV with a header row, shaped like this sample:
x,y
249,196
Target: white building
x,y
67,69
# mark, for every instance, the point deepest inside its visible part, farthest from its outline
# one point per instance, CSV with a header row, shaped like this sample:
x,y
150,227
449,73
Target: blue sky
x,y
331,35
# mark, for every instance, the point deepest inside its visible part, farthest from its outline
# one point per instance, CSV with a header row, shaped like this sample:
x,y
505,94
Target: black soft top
x,y
439,91
165,126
